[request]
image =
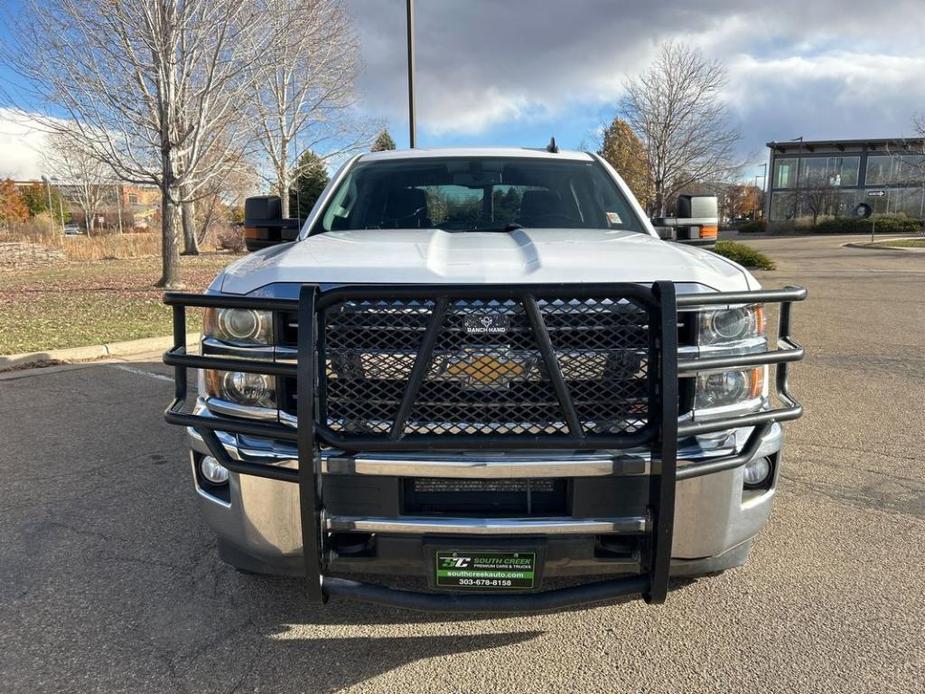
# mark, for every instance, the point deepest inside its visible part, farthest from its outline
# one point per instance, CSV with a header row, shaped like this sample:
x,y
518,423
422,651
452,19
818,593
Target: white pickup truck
x,y
473,373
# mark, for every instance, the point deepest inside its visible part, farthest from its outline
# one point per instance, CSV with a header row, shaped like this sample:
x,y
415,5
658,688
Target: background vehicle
x,y
482,369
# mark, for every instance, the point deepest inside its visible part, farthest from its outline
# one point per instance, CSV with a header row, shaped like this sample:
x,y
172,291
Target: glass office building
x,y
829,177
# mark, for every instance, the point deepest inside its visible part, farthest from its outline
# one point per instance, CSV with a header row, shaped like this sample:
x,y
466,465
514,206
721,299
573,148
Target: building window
x,y
895,169
907,201
879,169
837,172
814,172
783,207
133,198
909,169
843,171
785,173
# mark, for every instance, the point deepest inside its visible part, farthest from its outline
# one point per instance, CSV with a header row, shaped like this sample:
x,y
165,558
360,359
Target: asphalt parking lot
x,y
110,582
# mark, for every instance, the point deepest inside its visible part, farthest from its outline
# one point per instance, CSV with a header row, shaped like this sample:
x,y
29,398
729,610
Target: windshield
x,y
477,194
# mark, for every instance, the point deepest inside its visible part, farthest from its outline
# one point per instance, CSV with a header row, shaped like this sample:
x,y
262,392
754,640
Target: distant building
x,y
829,177
140,203
143,201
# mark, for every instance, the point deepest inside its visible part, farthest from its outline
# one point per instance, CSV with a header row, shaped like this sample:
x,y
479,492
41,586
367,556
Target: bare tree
x,y
911,167
218,207
84,179
675,109
820,197
306,87
154,88
737,200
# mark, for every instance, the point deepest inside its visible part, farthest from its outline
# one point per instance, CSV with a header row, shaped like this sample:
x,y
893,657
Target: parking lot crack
x,y
865,451
909,502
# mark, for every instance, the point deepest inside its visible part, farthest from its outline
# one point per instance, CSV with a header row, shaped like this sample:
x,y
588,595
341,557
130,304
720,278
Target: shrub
x,y
886,224
230,238
744,255
756,227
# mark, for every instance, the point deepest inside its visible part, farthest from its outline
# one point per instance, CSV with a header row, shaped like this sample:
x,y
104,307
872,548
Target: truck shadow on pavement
x,y
109,579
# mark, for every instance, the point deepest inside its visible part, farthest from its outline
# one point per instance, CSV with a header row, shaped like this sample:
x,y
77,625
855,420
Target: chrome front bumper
x,y
259,527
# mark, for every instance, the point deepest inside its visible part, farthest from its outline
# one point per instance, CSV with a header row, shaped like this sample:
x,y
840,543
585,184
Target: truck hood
x,y
523,256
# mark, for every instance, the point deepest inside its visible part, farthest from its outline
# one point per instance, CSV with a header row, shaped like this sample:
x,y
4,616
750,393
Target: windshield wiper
x,y
513,226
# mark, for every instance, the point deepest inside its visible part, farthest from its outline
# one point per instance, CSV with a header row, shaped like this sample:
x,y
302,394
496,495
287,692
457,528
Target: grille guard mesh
x,y
487,372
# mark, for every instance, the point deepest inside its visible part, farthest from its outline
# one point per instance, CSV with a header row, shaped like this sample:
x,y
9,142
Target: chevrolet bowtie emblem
x,y
485,369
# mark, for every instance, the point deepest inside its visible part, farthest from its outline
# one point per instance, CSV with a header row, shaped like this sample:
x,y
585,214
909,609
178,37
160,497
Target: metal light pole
x,y
60,204
51,212
410,15
119,204
796,197
47,190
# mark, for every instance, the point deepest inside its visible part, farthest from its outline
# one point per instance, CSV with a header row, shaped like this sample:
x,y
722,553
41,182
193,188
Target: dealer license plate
x,y
486,570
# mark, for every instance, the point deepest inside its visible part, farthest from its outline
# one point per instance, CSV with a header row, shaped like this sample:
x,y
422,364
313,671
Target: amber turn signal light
x,y
709,231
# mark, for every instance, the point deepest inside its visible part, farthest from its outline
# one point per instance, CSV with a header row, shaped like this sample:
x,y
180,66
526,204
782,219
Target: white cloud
x,y
840,94
21,146
483,109
834,67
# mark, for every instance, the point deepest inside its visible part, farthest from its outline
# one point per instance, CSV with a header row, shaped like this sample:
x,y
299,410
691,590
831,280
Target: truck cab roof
x,y
501,152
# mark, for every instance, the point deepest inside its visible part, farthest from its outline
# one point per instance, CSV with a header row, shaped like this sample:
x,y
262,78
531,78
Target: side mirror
x,y
697,222
665,233
264,225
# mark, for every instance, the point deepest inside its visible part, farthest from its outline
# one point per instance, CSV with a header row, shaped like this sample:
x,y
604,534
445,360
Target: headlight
x,y
731,325
239,326
255,390
728,388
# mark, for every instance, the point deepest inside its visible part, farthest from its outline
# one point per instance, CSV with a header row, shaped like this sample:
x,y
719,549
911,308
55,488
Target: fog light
x,y
757,472
213,470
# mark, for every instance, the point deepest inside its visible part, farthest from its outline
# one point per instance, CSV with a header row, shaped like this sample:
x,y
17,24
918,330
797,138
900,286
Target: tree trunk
x,y
170,251
659,205
207,219
284,200
188,214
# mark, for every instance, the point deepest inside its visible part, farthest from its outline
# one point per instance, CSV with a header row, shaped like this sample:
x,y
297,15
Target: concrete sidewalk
x,y
127,348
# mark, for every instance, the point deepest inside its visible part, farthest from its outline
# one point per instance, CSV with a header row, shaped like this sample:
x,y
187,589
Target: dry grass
x,y
82,248
45,233
76,304
112,246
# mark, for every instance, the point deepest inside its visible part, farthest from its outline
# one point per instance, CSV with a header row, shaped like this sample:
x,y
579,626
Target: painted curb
x,y
882,246
77,354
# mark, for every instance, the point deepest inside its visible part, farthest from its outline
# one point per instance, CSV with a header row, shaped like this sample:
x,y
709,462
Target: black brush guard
x,y
661,433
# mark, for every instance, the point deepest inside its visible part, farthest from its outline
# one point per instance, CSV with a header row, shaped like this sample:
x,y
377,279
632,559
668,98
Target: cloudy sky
x,y
515,72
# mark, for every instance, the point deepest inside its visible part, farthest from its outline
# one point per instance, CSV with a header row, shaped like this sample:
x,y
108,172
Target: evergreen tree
x,y
308,186
36,195
36,198
623,150
383,142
